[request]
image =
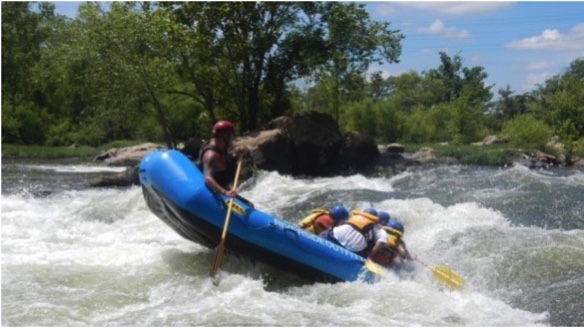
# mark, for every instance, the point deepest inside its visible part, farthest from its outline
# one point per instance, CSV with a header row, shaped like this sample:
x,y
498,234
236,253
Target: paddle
x,y
218,260
445,276
373,267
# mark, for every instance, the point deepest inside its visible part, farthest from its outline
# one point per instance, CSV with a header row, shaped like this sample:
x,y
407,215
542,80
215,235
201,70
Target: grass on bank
x,y
49,152
492,155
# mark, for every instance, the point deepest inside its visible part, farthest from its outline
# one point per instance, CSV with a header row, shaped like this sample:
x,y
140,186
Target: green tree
x,y
506,107
379,88
410,90
229,52
454,77
417,128
23,34
362,116
239,58
560,103
445,104
21,40
389,121
467,111
129,42
352,44
448,73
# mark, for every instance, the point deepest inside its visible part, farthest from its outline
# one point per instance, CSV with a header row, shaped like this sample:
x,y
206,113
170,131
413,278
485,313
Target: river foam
x,y
98,257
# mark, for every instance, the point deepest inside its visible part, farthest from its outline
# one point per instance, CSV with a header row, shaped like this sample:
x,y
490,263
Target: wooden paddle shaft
x,y
218,260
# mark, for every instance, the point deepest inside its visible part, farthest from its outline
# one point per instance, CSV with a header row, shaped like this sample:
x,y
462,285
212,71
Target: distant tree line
x,y
169,70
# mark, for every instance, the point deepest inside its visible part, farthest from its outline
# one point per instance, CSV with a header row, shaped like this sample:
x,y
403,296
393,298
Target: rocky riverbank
x,y
312,145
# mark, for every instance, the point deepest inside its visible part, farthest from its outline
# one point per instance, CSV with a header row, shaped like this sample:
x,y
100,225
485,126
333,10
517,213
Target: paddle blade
x,y
217,262
373,267
447,277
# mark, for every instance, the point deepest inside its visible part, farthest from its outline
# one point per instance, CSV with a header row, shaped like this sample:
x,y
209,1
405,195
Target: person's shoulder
x,y
211,150
378,229
344,228
325,217
208,155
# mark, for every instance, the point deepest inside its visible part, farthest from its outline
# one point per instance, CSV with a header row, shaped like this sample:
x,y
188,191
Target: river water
x,y
79,256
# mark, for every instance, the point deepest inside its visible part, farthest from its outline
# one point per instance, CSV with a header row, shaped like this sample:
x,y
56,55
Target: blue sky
x,y
520,44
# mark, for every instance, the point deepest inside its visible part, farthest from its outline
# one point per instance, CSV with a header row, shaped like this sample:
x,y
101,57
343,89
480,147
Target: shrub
x,y
61,134
361,116
527,131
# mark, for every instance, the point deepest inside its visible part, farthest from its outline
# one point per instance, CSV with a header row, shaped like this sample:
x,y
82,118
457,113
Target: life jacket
x,y
364,223
225,177
393,237
308,222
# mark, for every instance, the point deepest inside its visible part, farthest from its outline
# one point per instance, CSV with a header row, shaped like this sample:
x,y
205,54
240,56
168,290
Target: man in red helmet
x,y
217,164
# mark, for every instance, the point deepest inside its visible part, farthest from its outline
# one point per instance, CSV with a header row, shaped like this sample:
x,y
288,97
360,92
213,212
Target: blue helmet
x,y
371,211
396,225
339,213
384,217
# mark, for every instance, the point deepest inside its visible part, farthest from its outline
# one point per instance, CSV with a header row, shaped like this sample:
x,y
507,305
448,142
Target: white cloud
x,y
431,52
458,8
538,65
384,9
552,39
534,79
475,58
438,27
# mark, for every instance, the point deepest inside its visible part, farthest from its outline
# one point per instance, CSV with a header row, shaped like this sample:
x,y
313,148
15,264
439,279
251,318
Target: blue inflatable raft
x,y
175,192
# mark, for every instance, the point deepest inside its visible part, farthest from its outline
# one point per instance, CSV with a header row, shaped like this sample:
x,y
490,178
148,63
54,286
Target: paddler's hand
x,y
230,193
240,152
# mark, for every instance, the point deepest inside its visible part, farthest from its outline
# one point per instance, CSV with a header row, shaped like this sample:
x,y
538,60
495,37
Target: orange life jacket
x,y
308,222
364,223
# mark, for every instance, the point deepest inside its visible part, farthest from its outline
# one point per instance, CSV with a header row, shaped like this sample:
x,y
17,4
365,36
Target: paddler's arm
x,y
378,246
402,251
381,238
210,160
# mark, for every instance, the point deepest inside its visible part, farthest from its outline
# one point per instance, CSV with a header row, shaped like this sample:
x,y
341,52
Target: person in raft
x,y
361,233
320,220
218,163
395,245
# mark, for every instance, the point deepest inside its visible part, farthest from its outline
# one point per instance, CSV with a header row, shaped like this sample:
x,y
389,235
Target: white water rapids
x,y
98,257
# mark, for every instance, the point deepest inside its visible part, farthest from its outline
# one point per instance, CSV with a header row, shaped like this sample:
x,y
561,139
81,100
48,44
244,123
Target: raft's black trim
x,y
195,229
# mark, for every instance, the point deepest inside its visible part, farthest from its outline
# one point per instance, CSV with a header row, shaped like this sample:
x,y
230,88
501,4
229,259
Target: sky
x,y
519,44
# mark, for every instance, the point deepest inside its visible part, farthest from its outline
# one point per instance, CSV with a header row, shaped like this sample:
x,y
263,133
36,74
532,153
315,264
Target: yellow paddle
x,y
373,267
218,260
445,276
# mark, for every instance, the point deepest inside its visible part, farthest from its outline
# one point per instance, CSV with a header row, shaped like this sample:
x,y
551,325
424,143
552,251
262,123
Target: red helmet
x,y
222,128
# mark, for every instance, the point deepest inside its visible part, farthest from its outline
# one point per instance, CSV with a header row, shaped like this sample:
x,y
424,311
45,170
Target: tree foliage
x,y
169,70
24,32
527,131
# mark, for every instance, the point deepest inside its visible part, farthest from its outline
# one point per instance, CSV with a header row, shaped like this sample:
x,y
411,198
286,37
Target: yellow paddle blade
x,y
445,276
373,267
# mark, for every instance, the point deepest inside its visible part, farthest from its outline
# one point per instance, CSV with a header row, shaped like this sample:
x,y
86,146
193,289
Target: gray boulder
x,y
359,151
127,156
310,142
